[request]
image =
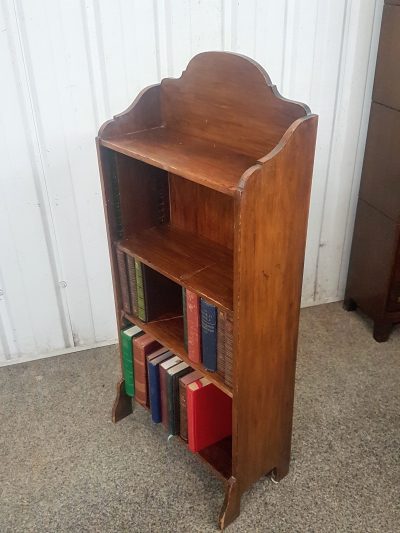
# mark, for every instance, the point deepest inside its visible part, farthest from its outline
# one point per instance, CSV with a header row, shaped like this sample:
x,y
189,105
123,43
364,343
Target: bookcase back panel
x,y
228,99
202,211
143,195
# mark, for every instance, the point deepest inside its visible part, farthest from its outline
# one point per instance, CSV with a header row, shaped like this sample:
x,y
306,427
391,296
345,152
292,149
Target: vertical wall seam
x,y
42,191
345,30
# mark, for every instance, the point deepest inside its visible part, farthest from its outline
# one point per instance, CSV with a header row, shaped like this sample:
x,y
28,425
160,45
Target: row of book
x,y
208,335
185,402
208,331
145,293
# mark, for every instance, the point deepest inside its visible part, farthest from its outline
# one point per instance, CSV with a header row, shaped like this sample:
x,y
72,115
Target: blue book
x,y
153,372
209,335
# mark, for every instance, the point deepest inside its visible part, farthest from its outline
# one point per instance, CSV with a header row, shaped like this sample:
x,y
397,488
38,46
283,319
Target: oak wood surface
x,y
212,165
196,263
202,211
271,214
238,158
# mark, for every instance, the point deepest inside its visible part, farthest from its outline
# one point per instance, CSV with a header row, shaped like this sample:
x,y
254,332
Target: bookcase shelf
x,y
204,162
206,182
169,333
192,261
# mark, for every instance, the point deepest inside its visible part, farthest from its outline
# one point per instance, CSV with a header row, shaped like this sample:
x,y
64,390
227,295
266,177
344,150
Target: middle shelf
x,y
169,333
194,262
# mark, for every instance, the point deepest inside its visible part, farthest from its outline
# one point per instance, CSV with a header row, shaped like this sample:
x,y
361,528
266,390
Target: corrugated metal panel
x,y
68,66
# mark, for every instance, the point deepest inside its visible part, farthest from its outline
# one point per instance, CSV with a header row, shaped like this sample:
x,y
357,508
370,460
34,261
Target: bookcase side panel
x,y
271,224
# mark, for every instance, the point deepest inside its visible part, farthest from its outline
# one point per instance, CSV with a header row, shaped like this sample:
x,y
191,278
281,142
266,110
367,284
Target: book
x,y
209,412
173,375
115,199
221,343
225,346
153,373
142,346
141,308
183,383
123,281
208,335
132,288
163,387
229,349
193,326
127,336
185,332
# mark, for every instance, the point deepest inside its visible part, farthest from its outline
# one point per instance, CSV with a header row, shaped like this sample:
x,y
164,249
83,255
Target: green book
x,y
185,335
140,291
127,336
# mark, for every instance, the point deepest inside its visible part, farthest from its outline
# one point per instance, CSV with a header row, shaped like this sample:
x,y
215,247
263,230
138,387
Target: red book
x,y
193,326
209,412
142,346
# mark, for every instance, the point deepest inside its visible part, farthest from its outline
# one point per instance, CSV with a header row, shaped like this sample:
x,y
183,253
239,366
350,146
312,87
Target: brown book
x,y
164,367
221,343
142,346
229,349
183,383
123,282
132,286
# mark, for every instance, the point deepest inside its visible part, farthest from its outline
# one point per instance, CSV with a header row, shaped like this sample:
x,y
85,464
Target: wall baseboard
x,y
55,353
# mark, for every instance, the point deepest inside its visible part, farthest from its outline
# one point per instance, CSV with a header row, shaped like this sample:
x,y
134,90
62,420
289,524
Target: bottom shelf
x,y
218,456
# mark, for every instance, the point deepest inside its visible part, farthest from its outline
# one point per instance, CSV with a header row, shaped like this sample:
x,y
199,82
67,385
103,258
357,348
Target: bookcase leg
x,y
122,404
349,304
382,330
231,506
280,472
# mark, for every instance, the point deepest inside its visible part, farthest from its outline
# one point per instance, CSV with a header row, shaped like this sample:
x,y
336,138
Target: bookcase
x,y
206,180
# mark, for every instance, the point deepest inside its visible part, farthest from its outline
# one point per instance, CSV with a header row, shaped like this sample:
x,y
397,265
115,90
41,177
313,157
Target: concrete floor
x,y
66,467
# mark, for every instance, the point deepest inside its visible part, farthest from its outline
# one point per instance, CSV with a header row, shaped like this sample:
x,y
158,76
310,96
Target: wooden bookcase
x,y
237,160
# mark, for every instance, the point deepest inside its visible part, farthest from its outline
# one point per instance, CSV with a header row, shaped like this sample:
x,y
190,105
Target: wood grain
x,y
267,290
212,165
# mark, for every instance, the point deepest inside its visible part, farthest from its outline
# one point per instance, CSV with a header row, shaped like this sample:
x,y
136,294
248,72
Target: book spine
x,y
191,419
185,332
183,429
193,326
170,397
140,375
131,269
229,349
163,211
140,291
154,392
209,335
123,281
164,397
127,364
116,200
221,343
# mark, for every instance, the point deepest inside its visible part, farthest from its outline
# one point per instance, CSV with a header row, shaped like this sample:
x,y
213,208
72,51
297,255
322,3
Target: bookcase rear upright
x,y
206,179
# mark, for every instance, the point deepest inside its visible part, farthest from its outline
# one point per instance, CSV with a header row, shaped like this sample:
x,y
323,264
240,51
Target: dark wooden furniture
x,y
373,282
238,160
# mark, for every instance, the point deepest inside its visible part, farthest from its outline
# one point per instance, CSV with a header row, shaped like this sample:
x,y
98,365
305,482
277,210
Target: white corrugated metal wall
x,y
68,65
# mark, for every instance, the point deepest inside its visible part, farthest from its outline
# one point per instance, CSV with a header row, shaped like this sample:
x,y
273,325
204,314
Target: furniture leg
x,y
122,404
231,507
382,330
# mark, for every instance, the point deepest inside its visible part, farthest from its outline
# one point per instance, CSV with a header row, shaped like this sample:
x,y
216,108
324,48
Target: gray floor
x,y
66,467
